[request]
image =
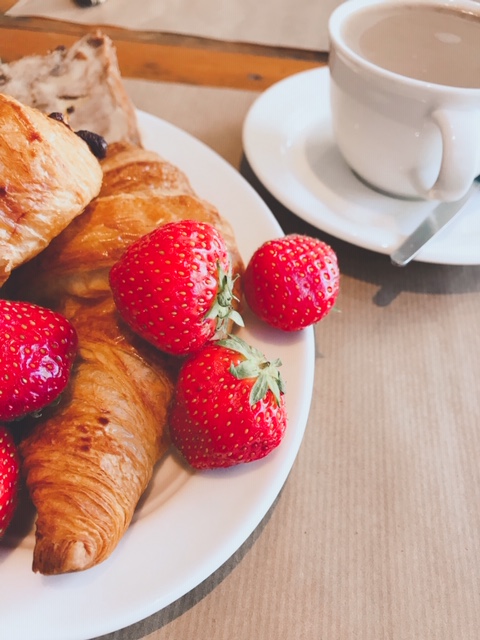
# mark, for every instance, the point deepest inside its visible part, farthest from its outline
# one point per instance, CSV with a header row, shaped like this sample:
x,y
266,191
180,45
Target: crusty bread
x,y
82,82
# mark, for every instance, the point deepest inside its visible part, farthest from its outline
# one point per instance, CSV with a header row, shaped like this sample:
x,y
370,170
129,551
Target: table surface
x,y
375,535
166,57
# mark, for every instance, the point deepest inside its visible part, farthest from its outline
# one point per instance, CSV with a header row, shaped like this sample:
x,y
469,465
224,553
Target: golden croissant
x,y
48,175
88,460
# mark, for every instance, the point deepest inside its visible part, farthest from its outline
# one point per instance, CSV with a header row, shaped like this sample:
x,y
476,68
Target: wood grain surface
x,y
163,57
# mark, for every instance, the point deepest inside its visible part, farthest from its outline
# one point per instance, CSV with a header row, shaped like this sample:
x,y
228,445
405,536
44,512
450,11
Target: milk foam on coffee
x,y
433,44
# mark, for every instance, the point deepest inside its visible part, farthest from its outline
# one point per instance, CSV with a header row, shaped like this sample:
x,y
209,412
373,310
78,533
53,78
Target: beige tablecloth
x,y
376,534
251,21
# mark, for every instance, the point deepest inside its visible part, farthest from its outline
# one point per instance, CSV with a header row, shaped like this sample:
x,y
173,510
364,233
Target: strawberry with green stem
x,y
174,286
229,406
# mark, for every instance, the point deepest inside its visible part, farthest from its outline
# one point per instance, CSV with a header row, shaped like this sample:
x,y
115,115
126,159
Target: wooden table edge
x,y
166,57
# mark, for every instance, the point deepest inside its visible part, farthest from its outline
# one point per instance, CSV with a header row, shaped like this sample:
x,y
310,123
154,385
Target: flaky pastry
x,y
48,175
88,461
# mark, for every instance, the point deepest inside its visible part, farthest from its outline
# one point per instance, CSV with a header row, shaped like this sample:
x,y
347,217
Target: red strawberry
x,y
173,286
292,282
37,349
228,406
9,476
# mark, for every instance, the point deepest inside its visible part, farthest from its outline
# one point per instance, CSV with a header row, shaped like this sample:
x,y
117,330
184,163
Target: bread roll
x,y
82,82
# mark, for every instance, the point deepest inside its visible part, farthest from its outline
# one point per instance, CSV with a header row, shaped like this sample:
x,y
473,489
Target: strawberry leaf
x,y
256,366
259,390
240,346
246,369
222,308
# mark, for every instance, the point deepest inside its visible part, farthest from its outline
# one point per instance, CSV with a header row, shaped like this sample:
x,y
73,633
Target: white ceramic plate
x,y
188,524
288,141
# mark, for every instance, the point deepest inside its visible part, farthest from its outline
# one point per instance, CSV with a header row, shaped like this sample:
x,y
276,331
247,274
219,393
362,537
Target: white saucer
x,y
288,141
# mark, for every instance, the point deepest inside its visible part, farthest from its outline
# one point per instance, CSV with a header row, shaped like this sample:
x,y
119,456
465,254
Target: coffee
x,y
434,44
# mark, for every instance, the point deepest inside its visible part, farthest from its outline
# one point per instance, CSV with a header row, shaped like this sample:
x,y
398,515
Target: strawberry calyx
x,y
222,309
255,365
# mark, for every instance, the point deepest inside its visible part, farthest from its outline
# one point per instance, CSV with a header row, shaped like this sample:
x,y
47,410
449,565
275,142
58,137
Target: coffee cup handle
x,y
461,153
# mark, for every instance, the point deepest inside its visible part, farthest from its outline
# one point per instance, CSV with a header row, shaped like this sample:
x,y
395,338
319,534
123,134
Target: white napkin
x,y
289,23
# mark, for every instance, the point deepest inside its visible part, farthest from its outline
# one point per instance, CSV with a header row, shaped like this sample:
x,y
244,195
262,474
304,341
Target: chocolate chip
x,y
98,145
56,115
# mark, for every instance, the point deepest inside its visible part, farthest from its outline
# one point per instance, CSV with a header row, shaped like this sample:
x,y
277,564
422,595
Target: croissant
x,y
47,177
88,460
140,191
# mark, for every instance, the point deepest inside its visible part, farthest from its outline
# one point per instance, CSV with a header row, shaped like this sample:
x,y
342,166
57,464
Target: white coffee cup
x,y
405,94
